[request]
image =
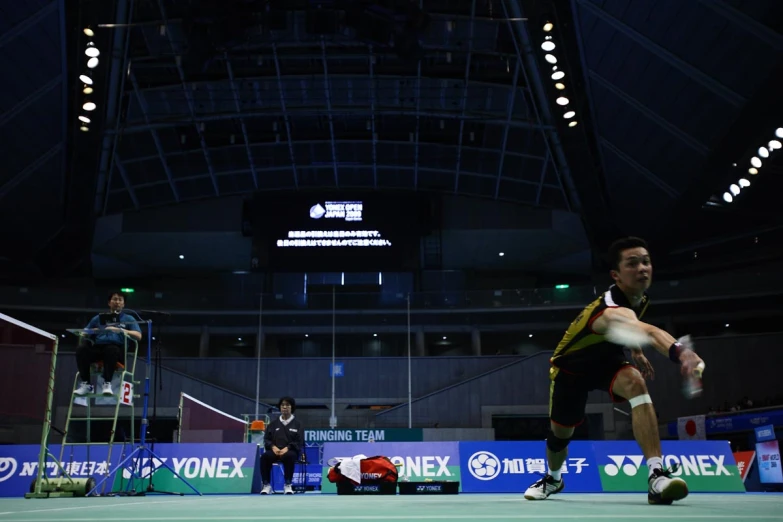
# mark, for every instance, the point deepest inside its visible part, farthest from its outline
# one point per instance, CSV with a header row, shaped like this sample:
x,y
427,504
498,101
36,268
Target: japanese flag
x,y
691,428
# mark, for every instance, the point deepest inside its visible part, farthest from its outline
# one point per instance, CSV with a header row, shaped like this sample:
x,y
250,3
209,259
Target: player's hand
x,y
643,365
691,364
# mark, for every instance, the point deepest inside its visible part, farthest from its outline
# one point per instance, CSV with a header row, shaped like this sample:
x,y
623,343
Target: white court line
x,y
288,517
93,506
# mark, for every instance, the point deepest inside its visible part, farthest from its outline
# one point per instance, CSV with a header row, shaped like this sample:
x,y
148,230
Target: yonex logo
x,y
484,465
704,465
317,211
629,468
7,468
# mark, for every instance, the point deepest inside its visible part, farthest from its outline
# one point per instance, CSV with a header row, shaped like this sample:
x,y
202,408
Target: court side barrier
x,y
479,467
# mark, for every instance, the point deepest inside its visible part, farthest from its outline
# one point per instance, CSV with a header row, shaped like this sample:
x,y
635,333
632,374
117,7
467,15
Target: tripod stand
x,y
142,451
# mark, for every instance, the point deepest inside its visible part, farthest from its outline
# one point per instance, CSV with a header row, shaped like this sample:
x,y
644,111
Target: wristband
x,y
674,352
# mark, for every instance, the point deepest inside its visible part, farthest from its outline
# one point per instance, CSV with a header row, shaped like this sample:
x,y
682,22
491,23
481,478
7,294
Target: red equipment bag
x,y
373,469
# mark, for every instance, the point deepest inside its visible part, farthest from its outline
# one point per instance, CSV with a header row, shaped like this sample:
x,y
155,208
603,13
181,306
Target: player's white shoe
x,y
544,487
267,489
288,489
665,489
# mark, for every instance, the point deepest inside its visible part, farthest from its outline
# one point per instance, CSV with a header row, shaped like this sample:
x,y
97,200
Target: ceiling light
x,y
734,189
744,183
763,152
572,124
444,337
88,106
755,162
84,128
89,32
181,256
559,75
91,50
375,335
779,132
559,86
562,100
85,119
550,58
548,46
87,90
569,115
85,79
727,197
548,26
501,254
753,171
92,63
774,144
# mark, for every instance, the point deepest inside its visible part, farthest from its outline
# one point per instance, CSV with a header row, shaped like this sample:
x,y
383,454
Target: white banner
x,y
691,428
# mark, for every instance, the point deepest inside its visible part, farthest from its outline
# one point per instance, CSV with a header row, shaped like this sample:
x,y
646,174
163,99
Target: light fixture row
x,y
88,105
557,75
756,162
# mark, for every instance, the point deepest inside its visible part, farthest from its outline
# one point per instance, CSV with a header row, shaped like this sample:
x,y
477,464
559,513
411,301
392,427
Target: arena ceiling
x,y
205,99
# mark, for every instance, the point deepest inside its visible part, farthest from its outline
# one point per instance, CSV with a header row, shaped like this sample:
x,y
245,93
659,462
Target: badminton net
x,y
26,354
200,422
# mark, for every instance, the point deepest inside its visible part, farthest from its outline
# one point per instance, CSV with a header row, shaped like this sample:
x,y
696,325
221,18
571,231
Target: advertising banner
x,y
375,435
744,460
769,462
210,468
705,466
19,465
418,461
511,467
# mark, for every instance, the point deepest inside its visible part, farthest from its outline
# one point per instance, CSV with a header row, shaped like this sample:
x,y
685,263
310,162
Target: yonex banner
x,y
210,468
418,461
705,466
511,467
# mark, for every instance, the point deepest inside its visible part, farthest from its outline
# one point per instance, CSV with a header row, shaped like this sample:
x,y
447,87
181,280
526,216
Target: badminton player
x,y
591,357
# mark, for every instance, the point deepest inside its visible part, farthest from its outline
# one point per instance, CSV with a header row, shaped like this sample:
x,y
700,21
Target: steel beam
x,y
189,98
155,138
30,99
541,109
372,116
541,181
126,182
465,93
29,169
276,168
329,112
314,112
135,159
752,26
651,115
117,76
641,169
684,67
290,139
510,112
28,22
242,122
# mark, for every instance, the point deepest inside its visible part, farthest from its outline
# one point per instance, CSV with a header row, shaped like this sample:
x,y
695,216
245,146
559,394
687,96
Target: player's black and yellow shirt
x,y
581,350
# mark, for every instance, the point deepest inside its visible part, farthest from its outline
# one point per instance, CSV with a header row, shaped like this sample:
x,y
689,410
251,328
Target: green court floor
x,y
740,507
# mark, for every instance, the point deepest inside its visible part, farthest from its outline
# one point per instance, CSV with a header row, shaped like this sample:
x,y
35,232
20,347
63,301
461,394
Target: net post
x,y
179,418
43,450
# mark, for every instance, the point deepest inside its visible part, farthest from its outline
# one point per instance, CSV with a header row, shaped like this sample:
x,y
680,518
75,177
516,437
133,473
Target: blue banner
x,y
511,467
765,433
743,422
19,465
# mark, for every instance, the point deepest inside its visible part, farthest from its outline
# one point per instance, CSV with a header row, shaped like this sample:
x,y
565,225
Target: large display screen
x,y
333,231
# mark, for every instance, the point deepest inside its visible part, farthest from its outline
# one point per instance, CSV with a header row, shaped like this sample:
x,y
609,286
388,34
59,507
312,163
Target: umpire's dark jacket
x,y
290,436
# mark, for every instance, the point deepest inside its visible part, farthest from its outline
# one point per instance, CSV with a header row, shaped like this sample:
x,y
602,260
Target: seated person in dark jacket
x,y
283,441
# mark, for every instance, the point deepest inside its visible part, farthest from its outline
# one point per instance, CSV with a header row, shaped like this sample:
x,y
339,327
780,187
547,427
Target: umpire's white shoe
x,y
544,487
288,489
107,389
83,389
267,489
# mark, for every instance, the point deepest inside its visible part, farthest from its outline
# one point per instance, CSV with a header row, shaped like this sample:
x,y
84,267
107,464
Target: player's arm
x,y
640,333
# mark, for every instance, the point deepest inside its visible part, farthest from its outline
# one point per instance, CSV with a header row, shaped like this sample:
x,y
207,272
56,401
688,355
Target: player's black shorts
x,y
568,391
